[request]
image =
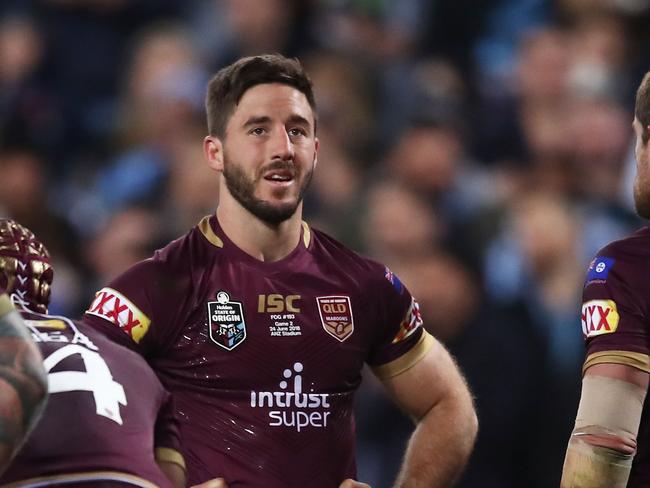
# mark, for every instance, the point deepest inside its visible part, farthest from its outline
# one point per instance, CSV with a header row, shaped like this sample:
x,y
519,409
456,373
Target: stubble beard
x,y
242,188
641,198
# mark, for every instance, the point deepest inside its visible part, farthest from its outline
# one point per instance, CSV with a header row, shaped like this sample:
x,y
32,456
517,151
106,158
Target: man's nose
x,y
282,147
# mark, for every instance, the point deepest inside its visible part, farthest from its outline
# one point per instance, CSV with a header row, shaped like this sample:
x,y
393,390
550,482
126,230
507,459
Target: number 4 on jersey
x,y
97,378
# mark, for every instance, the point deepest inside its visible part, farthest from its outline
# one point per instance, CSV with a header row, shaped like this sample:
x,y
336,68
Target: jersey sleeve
x,y
167,437
401,339
145,303
613,315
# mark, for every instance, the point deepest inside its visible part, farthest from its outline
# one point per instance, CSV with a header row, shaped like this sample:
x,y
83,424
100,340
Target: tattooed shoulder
x,y
23,382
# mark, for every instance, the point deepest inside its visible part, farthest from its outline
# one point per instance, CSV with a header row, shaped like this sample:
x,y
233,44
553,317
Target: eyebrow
x,y
265,119
299,119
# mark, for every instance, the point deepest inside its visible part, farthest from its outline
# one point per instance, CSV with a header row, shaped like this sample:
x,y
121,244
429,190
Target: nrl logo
x,y
226,322
336,316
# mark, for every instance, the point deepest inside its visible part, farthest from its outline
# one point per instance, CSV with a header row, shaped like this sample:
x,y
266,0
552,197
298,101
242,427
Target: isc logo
x,y
276,303
599,317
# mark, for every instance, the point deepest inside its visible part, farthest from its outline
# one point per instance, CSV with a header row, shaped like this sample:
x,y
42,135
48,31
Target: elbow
x,y
471,426
466,420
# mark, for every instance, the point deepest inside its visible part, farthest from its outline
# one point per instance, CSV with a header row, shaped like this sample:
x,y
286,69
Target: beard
x,y
641,199
242,188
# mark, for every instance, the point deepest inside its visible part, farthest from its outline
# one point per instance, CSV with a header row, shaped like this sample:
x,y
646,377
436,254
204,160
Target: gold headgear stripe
x,y
169,455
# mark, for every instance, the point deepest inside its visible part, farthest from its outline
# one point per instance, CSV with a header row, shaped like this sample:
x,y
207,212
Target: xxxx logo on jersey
x,y
599,317
111,305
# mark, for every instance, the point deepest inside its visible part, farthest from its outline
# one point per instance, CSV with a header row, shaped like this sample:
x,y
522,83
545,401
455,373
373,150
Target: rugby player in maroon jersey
x,y
260,325
610,444
108,421
23,384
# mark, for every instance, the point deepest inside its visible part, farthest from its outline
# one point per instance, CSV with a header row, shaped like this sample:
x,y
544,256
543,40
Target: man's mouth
x,y
279,175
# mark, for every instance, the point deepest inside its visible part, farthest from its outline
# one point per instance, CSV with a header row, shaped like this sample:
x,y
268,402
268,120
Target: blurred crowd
x,y
482,150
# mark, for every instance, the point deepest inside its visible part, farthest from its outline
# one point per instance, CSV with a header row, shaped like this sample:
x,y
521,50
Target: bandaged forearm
x,y
602,445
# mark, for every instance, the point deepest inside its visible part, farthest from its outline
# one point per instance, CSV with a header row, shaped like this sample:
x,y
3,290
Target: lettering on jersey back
x,y
93,375
336,316
226,322
599,317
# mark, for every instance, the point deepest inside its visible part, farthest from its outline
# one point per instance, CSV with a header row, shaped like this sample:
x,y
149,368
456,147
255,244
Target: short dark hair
x,y
642,106
227,87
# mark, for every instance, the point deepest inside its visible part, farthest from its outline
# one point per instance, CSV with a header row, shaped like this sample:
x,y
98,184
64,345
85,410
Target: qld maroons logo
x,y
226,321
336,316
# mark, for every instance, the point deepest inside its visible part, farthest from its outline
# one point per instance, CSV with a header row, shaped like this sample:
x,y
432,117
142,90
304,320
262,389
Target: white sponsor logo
x,y
293,408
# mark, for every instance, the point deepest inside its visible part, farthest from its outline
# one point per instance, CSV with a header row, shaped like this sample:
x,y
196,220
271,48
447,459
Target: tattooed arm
x,y
23,382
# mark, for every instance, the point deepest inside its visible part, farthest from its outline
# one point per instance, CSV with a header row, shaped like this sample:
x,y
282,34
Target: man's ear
x,y
213,150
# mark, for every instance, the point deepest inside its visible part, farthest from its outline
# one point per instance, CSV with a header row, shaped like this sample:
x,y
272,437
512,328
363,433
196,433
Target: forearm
x,y
23,383
587,465
603,443
440,445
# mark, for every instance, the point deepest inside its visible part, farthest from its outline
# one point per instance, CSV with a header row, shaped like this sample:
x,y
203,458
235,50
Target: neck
x,y
263,241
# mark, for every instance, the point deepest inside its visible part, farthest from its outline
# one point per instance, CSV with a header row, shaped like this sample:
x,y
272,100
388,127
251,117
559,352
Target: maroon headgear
x,y
25,261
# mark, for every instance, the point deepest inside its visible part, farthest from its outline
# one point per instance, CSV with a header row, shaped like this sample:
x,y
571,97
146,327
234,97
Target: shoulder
x,y
328,248
624,258
179,257
631,246
119,354
378,287
371,275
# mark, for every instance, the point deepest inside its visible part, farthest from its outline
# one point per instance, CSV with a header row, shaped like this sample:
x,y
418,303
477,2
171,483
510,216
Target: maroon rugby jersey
x,y
105,415
616,322
263,358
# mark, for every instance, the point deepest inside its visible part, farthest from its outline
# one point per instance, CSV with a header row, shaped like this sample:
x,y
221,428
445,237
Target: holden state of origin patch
x,y
226,321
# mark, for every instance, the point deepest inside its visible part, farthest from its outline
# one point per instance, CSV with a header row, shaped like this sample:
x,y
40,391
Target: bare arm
x,y
23,382
434,393
603,442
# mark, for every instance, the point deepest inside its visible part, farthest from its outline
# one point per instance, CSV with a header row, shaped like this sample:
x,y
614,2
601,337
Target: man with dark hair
x,y
23,384
610,444
260,325
108,422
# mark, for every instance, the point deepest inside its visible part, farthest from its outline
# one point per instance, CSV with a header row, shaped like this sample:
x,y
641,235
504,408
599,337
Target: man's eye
x,y
258,131
297,132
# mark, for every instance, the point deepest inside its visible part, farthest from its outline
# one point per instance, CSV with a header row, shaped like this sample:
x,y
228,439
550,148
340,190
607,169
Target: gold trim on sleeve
x,y
5,305
406,360
306,234
208,233
169,455
634,359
